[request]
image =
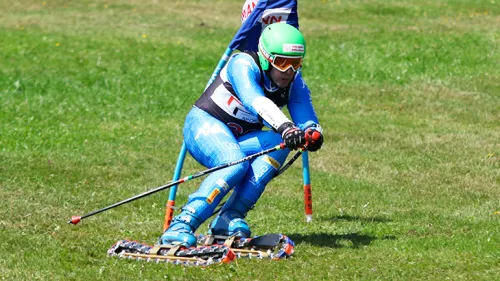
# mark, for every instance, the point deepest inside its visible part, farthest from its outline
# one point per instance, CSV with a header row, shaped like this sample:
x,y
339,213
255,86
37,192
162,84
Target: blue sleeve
x,y
244,75
300,104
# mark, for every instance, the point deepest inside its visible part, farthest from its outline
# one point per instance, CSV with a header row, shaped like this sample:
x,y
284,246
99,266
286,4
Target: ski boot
x,y
181,231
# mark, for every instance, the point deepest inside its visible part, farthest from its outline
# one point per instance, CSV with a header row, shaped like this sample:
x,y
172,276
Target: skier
x,y
226,124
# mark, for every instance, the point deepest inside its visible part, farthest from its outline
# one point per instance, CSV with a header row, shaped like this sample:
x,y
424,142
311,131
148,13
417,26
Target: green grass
x,y
93,95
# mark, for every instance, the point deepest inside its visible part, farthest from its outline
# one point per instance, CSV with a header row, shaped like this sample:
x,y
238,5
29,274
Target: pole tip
x,y
75,220
309,218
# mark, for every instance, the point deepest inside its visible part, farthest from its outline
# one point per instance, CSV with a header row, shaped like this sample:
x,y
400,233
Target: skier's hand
x,y
314,139
292,135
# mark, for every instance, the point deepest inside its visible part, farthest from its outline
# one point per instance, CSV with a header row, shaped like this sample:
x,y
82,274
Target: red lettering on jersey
x,y
247,10
271,19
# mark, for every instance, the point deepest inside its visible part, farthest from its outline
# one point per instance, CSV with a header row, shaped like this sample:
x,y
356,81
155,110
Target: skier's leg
x,y
230,219
211,143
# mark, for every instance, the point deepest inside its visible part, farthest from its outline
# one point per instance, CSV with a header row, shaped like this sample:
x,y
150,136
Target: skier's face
x,y
281,79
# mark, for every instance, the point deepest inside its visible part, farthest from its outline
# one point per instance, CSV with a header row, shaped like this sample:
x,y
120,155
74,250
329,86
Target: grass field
x,y
93,95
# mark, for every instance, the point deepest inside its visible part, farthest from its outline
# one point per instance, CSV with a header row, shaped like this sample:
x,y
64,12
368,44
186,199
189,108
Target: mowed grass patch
x,y
94,94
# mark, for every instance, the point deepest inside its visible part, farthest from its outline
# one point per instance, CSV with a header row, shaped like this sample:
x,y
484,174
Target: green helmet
x,y
280,39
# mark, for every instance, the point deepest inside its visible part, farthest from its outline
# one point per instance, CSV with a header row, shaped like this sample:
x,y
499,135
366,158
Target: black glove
x,y
314,139
292,135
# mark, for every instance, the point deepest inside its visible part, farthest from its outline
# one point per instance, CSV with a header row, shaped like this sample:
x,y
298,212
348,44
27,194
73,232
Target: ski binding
x,y
269,246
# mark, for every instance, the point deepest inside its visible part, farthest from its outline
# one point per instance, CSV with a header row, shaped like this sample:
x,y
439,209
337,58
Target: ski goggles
x,y
283,63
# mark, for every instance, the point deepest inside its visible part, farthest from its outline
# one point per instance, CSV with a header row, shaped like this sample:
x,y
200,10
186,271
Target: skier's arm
x,y
300,104
244,75
302,112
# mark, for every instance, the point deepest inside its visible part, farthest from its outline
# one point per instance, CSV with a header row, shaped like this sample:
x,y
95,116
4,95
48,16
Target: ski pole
x,y
307,187
280,171
307,180
76,219
290,162
169,209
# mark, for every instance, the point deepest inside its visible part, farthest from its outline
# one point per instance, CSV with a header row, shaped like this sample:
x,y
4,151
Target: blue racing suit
x,y
226,124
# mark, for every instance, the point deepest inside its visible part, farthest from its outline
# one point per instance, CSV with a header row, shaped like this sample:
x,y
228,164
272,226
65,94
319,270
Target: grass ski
x,y
194,256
